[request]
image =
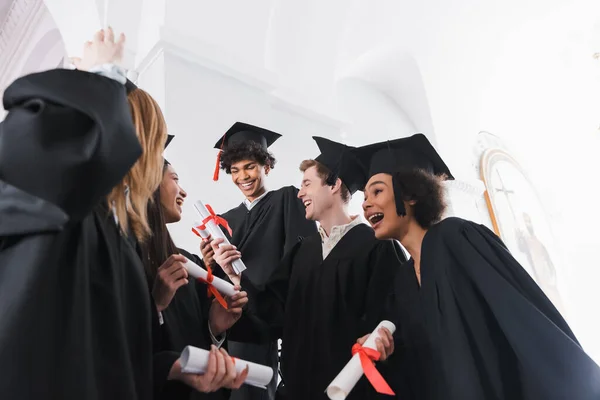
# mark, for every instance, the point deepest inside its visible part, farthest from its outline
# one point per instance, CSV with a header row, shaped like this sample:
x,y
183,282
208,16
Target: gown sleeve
x,y
266,323
538,335
68,138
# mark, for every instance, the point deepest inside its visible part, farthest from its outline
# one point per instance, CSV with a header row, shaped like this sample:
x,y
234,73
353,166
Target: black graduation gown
x,y
185,323
321,307
263,235
74,305
495,334
410,370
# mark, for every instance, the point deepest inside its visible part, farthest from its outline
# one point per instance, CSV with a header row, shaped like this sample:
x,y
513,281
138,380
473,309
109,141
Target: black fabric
x,y
169,138
74,306
332,156
185,323
390,156
242,132
321,307
263,235
494,333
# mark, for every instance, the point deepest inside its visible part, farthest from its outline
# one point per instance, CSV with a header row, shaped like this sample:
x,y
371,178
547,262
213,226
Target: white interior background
x,y
361,71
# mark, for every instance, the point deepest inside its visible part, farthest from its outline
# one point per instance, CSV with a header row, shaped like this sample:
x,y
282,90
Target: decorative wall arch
x,y
395,74
519,218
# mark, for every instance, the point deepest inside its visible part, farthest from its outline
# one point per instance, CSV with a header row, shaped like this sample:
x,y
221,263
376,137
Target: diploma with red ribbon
x,y
210,222
216,286
195,361
362,362
201,231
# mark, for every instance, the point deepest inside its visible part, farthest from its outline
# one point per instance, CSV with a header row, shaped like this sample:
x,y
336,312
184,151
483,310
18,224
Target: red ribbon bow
x,y
218,220
367,356
212,291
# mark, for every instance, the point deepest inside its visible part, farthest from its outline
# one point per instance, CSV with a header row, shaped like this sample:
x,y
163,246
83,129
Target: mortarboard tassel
x,y
400,209
218,165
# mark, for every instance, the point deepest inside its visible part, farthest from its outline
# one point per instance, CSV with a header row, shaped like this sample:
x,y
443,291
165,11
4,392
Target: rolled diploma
x,y
204,233
217,233
195,361
343,384
197,271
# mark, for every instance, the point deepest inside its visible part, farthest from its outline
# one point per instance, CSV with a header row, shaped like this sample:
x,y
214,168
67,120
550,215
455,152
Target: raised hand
x,y
221,319
207,253
224,256
171,275
220,373
103,49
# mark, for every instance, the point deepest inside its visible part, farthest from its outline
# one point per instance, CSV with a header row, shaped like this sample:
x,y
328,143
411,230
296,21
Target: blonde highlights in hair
x,y
131,196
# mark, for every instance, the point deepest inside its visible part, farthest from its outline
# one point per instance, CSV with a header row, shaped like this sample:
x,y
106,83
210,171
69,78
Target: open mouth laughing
x,y
374,219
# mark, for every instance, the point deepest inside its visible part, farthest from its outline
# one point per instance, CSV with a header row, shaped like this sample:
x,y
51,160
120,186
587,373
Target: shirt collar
x,y
250,204
340,230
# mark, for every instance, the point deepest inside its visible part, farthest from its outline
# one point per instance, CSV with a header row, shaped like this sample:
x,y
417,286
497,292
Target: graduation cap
x,y
130,86
334,156
169,138
241,132
393,155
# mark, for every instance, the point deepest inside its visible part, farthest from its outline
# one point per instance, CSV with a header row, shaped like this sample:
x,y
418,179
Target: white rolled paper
x,y
195,361
217,233
224,287
203,233
343,384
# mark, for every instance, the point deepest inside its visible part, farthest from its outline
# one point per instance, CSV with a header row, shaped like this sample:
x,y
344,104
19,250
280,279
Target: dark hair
x,y
327,177
156,249
427,191
245,151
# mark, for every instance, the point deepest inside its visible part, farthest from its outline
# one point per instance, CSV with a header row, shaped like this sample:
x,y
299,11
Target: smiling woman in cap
x,y
473,322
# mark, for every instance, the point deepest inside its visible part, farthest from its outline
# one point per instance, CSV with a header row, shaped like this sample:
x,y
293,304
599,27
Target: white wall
x,y
201,104
363,71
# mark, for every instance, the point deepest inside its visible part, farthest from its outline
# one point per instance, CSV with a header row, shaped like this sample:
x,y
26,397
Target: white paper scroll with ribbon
x,y
210,223
361,363
216,286
195,361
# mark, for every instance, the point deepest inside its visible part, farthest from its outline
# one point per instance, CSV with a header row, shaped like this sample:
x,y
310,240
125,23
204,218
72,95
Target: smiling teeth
x,y
179,202
372,217
247,185
307,203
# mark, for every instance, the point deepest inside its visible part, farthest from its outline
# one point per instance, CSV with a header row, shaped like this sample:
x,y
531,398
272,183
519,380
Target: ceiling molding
x,y
17,29
204,55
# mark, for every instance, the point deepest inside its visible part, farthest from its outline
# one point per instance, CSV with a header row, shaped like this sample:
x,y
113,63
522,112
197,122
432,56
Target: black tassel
x,y
400,209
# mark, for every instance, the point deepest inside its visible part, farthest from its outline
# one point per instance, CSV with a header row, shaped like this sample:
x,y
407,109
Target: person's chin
x,y
173,217
382,233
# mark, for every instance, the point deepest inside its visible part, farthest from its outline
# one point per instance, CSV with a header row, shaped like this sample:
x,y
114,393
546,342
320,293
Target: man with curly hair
x,y
265,226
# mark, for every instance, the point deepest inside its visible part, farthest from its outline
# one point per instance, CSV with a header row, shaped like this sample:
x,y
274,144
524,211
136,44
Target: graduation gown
x,y
494,333
263,235
321,307
185,323
74,305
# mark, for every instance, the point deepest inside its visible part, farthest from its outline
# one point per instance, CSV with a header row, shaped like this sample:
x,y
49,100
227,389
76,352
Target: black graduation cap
x,y
169,138
130,86
242,132
334,156
392,155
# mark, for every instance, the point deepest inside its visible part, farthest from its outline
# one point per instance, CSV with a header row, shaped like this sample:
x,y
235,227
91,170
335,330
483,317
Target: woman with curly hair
x,y
265,226
472,323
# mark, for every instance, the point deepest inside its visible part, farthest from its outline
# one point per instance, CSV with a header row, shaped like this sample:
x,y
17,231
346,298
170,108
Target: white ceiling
x,y
4,7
